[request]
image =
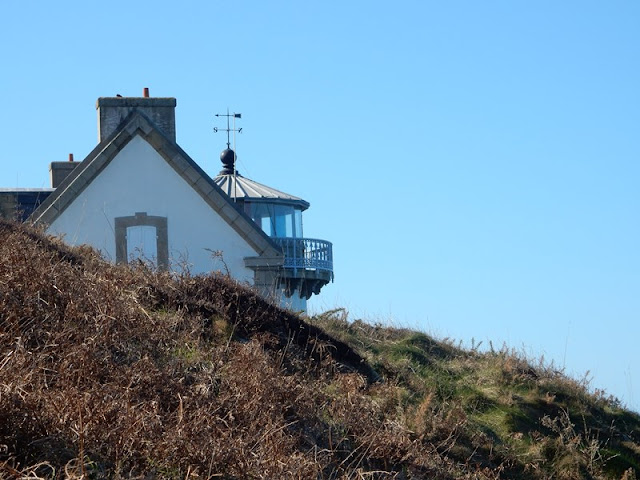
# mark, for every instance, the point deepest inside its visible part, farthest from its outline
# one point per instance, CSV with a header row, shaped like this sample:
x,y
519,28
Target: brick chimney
x,y
113,110
58,171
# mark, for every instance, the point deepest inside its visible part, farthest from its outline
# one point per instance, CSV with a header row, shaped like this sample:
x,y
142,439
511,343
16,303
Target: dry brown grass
x,y
115,372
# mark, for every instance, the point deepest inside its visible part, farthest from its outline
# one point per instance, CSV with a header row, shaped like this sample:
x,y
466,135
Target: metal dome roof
x,y
240,187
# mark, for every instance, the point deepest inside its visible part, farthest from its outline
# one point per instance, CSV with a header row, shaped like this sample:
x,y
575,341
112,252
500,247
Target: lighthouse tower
x,y
308,264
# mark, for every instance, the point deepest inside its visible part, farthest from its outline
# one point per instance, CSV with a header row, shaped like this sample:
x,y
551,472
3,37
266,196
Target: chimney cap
x,y
136,102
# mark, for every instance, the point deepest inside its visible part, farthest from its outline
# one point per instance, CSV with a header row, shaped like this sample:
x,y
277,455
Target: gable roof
x,y
138,124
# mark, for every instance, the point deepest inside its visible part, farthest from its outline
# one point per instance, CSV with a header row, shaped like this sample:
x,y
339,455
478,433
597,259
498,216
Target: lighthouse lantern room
x,y
308,264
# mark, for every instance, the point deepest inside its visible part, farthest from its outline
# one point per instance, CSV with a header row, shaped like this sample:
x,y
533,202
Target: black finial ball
x,y
227,157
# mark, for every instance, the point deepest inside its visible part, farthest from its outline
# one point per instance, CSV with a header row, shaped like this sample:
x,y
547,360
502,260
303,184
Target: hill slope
x,y
116,372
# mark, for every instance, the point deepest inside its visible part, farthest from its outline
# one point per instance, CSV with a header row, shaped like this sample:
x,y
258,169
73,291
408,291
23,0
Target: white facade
x,y
139,180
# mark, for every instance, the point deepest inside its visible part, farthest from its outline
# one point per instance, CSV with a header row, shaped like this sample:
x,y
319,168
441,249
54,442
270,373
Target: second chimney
x,y
58,171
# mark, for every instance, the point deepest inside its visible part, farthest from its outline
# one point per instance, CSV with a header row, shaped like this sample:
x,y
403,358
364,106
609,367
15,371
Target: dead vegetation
x,y
116,372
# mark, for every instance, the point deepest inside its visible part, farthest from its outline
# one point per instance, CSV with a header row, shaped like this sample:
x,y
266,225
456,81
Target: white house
x,y
138,194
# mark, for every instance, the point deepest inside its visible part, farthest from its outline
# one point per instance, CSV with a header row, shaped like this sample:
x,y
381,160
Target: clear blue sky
x,y
474,163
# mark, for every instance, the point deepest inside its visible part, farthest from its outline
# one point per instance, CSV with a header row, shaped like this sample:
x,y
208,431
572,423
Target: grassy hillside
x,y
116,372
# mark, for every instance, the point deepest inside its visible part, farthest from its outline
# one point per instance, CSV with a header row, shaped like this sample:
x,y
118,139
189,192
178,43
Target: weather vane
x,y
229,129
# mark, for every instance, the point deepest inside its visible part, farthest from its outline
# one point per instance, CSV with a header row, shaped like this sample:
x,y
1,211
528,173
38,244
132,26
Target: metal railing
x,y
306,253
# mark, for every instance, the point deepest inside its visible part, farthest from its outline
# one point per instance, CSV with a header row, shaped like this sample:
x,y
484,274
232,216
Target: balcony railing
x,y
306,253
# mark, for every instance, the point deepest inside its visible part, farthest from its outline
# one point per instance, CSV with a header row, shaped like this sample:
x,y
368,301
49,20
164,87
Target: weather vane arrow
x,y
228,129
